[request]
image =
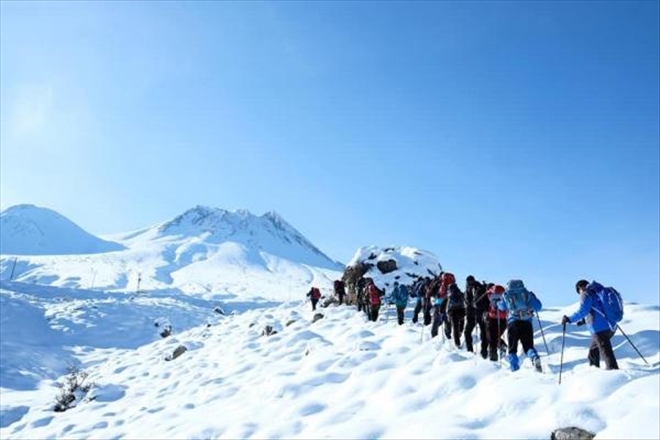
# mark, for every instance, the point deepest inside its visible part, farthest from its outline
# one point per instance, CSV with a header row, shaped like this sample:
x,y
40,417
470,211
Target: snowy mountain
x,y
339,377
205,251
31,230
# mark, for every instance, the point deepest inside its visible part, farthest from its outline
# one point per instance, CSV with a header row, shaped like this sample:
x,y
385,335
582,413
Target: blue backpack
x,y
610,301
517,298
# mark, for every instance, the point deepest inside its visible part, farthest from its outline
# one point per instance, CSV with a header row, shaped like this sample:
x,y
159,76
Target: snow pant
x,y
601,346
522,330
474,319
400,314
496,329
374,308
438,318
315,301
341,298
455,324
423,305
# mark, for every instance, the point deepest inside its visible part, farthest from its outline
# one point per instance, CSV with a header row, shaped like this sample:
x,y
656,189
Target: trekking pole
x,y
499,338
542,334
561,358
631,343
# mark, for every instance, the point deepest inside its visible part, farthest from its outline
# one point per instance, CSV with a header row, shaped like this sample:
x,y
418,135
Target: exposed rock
x,y
268,331
386,266
571,433
291,321
219,311
166,331
317,316
177,352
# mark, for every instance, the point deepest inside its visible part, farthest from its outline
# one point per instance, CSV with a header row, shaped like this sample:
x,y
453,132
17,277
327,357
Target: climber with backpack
x,y
602,308
477,303
340,291
495,321
422,305
450,309
400,298
373,296
315,295
520,305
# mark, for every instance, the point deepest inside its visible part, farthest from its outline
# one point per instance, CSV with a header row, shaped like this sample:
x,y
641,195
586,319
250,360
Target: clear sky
x,y
512,139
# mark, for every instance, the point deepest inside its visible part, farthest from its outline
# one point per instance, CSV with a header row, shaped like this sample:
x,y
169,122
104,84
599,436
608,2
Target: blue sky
x,y
512,139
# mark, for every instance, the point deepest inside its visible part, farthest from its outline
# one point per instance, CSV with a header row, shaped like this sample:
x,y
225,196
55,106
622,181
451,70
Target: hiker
x,y
601,329
477,303
419,291
495,322
400,298
340,291
449,309
520,304
455,308
361,293
373,296
315,295
430,294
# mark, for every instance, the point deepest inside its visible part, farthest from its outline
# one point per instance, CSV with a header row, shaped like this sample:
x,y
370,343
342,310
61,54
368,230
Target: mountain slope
x,y
340,377
31,230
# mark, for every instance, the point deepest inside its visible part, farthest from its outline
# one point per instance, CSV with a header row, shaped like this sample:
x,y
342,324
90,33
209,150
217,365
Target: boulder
x,y
571,433
177,352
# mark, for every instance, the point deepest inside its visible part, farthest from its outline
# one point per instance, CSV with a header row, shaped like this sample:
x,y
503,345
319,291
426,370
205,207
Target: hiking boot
x,y
513,361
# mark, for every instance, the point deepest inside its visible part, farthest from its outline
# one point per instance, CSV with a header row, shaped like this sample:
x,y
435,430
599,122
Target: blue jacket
x,y
532,301
400,295
591,309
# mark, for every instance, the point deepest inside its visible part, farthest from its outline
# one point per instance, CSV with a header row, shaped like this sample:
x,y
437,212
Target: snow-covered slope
x,y
340,377
204,251
31,230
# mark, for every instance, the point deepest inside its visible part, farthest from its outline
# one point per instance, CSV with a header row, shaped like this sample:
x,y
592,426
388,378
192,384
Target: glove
x,y
565,320
581,322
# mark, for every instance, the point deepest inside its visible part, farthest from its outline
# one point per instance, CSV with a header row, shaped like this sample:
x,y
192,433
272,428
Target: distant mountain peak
x,y
32,230
269,232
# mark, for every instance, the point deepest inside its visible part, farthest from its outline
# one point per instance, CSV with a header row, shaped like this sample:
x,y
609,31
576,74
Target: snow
x,y
411,263
31,230
340,377
202,249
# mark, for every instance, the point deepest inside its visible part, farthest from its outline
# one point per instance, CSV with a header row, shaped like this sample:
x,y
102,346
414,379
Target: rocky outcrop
x,y
571,433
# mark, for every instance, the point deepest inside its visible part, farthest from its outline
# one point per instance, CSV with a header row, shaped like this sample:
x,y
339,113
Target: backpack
x,y
611,303
316,293
480,300
517,297
494,297
456,298
374,295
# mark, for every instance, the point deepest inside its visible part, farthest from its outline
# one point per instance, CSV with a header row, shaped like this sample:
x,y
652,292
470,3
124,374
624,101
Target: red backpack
x,y
316,293
374,296
495,295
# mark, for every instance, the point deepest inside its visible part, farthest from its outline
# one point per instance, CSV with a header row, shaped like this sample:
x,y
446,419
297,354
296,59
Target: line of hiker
x,y
489,308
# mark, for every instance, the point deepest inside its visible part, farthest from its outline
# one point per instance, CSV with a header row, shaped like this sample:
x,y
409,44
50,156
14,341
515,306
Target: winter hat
x,y
470,279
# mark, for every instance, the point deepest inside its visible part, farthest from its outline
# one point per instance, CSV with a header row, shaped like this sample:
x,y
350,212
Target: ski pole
x,y
631,343
542,334
561,358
